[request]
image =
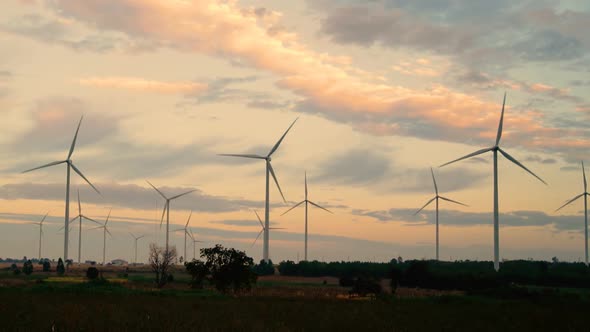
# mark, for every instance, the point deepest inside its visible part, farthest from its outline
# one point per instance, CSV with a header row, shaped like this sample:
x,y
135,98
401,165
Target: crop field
x,y
128,301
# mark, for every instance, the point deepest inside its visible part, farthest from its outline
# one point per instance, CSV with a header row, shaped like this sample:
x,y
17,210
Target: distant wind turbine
x,y
262,230
80,216
195,241
40,231
71,165
436,198
105,230
306,201
186,232
167,209
136,238
269,169
585,195
495,150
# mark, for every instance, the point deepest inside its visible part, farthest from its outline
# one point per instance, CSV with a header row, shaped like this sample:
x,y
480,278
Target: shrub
x,y
61,269
16,271
364,286
46,266
28,267
92,273
264,268
198,271
230,269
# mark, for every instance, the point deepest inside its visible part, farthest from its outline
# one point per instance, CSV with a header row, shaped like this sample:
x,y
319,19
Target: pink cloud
x,y
140,84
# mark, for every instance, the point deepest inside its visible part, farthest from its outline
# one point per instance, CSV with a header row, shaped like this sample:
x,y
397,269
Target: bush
x,y
46,266
198,271
230,269
363,286
264,268
28,267
61,269
396,276
346,281
16,271
92,273
13,267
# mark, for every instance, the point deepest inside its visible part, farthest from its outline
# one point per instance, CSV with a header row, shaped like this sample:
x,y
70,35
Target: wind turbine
x,y
195,241
495,150
167,209
269,169
80,216
585,195
262,230
436,198
71,165
40,231
186,232
306,201
105,230
136,238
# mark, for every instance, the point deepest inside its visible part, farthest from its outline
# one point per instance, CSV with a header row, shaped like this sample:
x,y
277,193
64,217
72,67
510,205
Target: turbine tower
x,y
195,241
70,166
136,238
167,209
80,216
262,230
105,230
495,149
436,198
186,232
269,169
585,195
306,201
40,231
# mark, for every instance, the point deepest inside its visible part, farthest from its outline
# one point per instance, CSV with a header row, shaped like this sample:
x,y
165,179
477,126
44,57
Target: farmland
x,y
128,301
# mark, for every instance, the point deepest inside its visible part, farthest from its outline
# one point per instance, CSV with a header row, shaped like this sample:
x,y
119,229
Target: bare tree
x,y
160,261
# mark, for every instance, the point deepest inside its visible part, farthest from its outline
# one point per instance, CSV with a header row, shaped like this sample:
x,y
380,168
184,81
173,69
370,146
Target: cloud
x,y
127,196
459,218
541,160
144,85
237,222
363,167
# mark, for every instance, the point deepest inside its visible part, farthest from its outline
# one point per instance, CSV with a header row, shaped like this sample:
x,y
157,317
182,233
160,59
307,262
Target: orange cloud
x,y
140,84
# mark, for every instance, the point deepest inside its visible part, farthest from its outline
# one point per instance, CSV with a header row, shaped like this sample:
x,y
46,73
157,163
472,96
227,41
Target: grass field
x,y
46,302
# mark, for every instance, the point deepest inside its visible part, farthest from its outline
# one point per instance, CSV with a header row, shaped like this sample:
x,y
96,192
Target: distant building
x,y
119,262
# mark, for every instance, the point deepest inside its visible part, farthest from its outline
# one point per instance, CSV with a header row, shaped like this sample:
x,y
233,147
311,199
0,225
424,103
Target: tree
x,y
46,266
92,273
230,269
264,268
61,269
198,271
28,267
160,260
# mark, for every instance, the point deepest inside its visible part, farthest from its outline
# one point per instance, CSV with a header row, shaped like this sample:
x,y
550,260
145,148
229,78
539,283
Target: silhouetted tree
x,y
230,269
46,266
264,268
60,269
198,271
92,273
28,267
160,260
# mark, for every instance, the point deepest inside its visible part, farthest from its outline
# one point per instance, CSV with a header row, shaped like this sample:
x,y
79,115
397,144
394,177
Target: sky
x,y
382,89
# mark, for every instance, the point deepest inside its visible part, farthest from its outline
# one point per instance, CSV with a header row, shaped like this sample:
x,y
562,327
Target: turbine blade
x,y
274,148
584,174
133,236
108,216
260,220
499,136
75,138
106,229
141,237
306,185
83,177
189,219
253,243
164,212
272,172
276,228
96,227
46,165
294,206
478,152
509,157
569,202
190,235
79,205
186,193
83,216
158,190
452,201
179,229
42,220
434,181
253,156
425,205
323,208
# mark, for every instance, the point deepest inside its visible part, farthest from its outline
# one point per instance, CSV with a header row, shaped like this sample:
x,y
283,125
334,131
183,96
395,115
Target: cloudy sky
x,y
383,90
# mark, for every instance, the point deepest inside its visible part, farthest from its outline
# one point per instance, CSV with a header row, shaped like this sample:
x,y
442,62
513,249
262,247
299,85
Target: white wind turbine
x,y
136,238
80,216
585,195
262,230
40,231
105,230
71,165
436,198
495,149
195,241
306,201
186,232
167,209
269,170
